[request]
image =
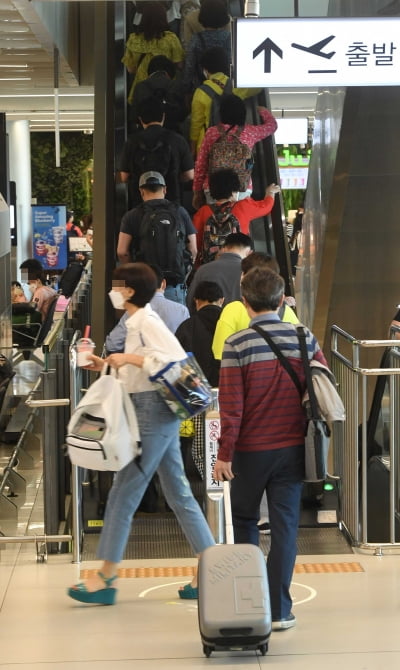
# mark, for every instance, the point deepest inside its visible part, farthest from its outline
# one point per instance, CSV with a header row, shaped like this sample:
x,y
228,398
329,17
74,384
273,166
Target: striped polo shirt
x,y
259,404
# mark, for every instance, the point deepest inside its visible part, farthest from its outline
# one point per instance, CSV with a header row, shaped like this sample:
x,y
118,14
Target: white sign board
x,y
293,178
317,52
291,131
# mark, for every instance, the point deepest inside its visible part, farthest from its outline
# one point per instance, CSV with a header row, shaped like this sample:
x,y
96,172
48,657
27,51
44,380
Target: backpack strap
x,y
209,91
282,359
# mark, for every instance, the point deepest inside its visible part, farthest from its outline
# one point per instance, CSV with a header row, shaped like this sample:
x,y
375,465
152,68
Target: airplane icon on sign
x,y
316,48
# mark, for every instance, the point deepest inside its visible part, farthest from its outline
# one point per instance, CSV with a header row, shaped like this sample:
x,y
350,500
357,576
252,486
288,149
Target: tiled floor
x,y
347,607
348,617
347,620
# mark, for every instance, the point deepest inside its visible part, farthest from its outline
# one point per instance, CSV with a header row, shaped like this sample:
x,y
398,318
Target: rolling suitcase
x,y
234,608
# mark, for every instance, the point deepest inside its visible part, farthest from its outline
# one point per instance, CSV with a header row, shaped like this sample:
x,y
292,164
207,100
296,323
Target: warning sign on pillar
x,y
212,429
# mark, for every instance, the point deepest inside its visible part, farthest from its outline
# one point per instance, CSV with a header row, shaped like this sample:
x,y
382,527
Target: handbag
x,y
317,436
184,387
103,432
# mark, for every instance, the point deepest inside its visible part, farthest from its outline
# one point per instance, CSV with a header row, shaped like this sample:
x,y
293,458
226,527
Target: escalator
x,y
268,234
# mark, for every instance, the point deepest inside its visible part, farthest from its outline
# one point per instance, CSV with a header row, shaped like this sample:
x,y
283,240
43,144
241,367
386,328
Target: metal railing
x,y
55,392
351,447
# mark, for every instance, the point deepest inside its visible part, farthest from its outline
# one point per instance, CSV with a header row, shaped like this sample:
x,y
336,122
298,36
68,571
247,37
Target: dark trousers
x,y
280,473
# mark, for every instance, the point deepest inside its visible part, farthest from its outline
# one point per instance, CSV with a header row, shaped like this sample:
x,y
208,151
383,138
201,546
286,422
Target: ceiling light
x,y
46,95
50,121
299,91
16,65
15,79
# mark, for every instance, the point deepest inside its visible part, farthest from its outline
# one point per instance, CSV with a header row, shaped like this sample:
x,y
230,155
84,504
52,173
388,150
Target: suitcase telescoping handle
x,y
228,513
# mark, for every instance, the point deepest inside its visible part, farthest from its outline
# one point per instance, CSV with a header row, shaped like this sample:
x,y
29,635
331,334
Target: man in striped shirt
x,y
262,431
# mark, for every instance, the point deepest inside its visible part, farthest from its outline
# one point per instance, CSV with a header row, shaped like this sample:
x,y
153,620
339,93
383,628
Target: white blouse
x,y
148,336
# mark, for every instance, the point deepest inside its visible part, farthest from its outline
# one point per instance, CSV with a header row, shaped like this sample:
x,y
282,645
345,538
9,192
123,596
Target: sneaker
x,y
264,528
284,624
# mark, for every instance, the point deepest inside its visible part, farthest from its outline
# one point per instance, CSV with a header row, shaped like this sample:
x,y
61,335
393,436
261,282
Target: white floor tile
x,y
345,620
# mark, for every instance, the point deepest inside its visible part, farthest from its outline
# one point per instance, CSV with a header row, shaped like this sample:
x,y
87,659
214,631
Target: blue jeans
x,y
176,293
278,472
159,432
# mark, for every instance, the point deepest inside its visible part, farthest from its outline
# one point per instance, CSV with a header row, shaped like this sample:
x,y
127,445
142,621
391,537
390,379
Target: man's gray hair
x,y
263,289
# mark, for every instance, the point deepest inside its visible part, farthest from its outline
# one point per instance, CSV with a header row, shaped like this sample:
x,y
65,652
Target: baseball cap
x,y
148,178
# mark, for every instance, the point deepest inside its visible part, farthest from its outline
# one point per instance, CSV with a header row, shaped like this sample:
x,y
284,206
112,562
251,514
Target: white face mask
x,y
117,299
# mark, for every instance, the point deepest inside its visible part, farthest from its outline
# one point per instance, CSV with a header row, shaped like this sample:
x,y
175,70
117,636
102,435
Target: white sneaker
x,y
284,624
263,526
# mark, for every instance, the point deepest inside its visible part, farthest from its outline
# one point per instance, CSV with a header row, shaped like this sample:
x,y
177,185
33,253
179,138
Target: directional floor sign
x,y
317,52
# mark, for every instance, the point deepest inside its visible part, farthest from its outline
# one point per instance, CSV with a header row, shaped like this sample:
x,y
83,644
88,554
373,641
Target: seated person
x,y
42,295
17,293
87,228
234,317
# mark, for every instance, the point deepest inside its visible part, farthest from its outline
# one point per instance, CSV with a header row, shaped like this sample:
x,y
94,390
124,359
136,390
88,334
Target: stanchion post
x,y
214,497
50,460
76,489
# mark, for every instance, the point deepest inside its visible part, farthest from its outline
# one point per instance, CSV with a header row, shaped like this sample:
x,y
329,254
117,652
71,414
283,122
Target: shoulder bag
x,y
317,436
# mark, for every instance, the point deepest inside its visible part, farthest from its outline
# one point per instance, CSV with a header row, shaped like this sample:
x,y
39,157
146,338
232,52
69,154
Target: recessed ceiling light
x,y
46,95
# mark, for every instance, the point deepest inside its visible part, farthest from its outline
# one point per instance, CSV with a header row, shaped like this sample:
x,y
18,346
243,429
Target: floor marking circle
x,y
143,594
311,596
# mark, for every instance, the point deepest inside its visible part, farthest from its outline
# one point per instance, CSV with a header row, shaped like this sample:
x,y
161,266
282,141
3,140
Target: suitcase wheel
x,y
207,650
263,648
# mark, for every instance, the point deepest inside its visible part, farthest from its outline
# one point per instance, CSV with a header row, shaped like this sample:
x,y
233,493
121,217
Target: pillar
x,y
19,147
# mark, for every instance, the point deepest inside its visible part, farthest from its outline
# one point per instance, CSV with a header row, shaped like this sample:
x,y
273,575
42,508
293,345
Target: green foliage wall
x,y
70,184
292,198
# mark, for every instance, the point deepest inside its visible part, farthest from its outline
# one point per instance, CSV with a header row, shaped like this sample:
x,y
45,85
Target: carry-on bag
x,y
234,607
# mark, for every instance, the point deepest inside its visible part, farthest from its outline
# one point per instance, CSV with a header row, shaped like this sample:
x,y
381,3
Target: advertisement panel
x,y
50,242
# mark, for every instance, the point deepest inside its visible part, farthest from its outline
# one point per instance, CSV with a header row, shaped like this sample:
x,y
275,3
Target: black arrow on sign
x,y
267,46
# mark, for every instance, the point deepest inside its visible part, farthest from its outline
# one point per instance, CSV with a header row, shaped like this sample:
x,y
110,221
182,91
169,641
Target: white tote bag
x,y
103,432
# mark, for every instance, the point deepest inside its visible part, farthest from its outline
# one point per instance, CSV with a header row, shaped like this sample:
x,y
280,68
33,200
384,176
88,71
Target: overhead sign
x,y
317,52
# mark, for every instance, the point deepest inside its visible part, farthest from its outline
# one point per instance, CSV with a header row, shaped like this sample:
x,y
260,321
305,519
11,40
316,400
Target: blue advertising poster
x,y
50,236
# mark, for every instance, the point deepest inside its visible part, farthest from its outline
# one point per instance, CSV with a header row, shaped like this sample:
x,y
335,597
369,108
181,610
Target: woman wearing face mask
x,y
224,190
149,346
42,295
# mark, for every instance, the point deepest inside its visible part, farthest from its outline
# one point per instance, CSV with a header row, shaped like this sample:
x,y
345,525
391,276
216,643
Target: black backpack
x,y
153,157
70,279
218,226
162,239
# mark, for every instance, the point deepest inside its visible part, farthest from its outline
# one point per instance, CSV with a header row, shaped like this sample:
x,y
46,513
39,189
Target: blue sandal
x,y
101,597
189,592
